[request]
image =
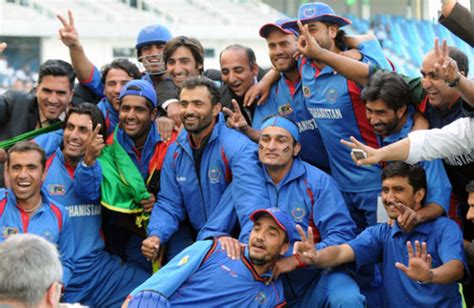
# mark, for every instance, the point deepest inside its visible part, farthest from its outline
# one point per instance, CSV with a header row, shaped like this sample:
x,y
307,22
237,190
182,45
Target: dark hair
x,y
201,81
190,43
340,39
248,52
93,112
388,87
415,174
470,187
57,68
461,59
121,64
27,146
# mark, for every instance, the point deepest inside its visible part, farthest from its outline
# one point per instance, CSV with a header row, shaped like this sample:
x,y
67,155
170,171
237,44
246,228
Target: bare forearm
x,y
80,62
252,133
395,151
449,272
466,89
429,212
350,68
335,255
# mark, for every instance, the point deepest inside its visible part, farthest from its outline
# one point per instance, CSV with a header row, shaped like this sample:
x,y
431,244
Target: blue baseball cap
x,y
316,11
267,28
283,220
139,87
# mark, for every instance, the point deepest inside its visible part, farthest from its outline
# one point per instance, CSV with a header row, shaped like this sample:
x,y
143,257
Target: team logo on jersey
x,y
180,178
48,235
56,189
7,231
183,260
261,298
331,95
298,214
214,175
285,109
306,91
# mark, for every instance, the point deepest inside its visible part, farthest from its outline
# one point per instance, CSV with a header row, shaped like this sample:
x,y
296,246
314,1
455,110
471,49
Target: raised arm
x,y
69,36
350,68
447,69
327,257
419,267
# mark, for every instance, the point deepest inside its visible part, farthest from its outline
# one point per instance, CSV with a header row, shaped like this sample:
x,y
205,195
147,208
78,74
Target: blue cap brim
x,y
338,20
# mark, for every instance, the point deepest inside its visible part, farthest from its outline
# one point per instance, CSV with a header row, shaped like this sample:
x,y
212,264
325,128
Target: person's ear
x,y
284,249
53,294
419,195
296,149
216,109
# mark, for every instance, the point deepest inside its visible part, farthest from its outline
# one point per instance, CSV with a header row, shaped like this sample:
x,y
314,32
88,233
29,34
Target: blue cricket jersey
x,y
335,104
286,99
203,275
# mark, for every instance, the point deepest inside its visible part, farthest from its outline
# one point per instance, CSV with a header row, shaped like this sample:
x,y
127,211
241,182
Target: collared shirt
x,y
382,243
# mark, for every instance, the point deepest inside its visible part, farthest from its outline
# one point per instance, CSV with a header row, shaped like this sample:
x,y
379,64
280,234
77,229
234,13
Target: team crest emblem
x,y
298,214
331,96
261,298
306,91
309,12
7,231
48,235
56,190
184,260
285,109
214,175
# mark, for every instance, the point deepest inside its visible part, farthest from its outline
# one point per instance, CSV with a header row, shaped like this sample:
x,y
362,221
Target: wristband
x,y
300,262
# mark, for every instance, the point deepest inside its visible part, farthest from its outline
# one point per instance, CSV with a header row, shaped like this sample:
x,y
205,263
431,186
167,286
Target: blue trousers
x,y
334,288
105,283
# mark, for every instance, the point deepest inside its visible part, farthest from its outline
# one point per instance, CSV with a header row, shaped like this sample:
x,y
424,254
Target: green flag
x,y
122,185
6,144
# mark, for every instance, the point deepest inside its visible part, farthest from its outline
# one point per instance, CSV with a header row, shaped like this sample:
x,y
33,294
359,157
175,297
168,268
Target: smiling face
x,y
136,117
54,94
181,65
26,174
383,119
281,48
76,135
397,190
236,71
266,241
438,92
151,56
114,82
197,111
